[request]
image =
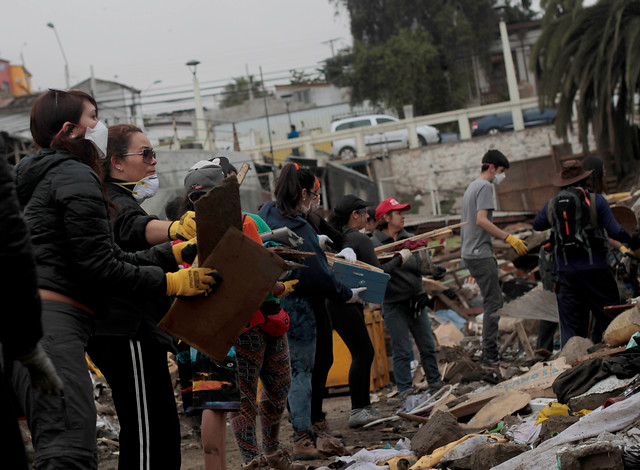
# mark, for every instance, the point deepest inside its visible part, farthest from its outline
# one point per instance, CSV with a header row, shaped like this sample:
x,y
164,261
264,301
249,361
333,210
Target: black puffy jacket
x,y
132,314
21,328
74,249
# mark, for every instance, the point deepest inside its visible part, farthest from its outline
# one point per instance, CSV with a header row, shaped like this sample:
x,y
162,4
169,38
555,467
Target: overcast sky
x,y
138,42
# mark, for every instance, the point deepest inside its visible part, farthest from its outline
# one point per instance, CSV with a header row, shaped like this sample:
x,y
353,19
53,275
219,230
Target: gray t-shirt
x,y
476,242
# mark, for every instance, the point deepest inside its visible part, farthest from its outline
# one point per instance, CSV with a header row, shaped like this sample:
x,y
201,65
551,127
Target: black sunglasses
x,y
147,155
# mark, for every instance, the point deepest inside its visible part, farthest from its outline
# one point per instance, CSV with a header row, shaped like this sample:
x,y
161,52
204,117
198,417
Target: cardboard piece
x,y
448,335
540,377
216,211
212,324
496,409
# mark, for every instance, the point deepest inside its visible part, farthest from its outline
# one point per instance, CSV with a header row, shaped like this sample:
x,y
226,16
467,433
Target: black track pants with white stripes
x,y
139,378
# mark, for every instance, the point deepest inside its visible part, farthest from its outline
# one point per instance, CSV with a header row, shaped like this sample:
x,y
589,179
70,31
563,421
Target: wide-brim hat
x,y
572,172
390,204
350,203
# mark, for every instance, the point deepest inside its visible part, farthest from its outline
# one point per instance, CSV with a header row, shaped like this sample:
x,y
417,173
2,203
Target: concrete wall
x,y
445,170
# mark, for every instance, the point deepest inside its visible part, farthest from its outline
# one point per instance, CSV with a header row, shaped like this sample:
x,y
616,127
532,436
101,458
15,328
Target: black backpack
x,y
574,224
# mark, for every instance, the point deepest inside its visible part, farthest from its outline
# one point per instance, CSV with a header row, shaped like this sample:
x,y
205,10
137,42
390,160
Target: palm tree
x,y
591,57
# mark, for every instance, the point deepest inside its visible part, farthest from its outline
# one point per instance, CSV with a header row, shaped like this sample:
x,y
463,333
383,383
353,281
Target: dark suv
x,y
495,123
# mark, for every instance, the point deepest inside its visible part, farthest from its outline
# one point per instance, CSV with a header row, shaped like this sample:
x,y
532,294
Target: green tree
x,y
589,57
394,30
238,92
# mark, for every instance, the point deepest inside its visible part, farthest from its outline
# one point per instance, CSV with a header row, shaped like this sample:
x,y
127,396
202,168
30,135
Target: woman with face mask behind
x,y
127,346
78,267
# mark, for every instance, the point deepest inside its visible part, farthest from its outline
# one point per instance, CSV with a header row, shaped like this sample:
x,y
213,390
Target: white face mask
x,y
98,136
305,209
146,188
499,178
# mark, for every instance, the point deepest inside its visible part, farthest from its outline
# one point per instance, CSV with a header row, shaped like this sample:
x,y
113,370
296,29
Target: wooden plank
x,y
496,409
605,352
524,340
212,324
332,258
440,233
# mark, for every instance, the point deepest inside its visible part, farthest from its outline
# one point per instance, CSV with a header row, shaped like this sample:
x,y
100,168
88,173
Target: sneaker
x,y
258,463
494,362
433,389
279,459
361,416
304,447
321,428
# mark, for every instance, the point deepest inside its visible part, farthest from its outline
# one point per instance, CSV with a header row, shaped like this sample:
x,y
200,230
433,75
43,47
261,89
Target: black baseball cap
x,y
350,203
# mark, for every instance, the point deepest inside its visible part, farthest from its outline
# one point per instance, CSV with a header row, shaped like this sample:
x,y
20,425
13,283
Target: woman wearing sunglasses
x,y
127,346
79,267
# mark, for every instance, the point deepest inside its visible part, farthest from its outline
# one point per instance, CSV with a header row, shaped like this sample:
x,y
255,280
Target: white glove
x,y
348,254
405,254
355,295
323,240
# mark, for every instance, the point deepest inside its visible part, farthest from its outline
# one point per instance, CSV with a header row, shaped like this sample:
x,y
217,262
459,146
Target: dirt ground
x,y
337,407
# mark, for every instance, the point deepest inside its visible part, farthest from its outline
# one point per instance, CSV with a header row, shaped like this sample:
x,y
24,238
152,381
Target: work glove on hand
x,y
627,252
417,304
42,371
185,252
323,240
405,254
517,244
286,288
348,254
355,295
185,228
193,281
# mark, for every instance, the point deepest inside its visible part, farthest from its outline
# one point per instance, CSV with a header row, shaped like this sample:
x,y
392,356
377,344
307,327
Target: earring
x,y
119,169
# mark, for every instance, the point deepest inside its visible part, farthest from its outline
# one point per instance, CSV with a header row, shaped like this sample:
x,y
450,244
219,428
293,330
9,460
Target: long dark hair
x,y
339,220
49,113
289,186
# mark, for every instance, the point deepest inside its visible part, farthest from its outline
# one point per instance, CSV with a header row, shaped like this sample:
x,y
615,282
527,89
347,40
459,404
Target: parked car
x,y
346,148
495,123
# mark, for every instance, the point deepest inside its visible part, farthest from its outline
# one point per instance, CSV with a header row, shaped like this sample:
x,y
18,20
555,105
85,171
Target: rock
x,y
441,429
492,454
555,425
622,327
576,347
596,456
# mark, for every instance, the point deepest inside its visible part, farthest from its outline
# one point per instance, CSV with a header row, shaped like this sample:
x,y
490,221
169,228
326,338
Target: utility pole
x,y
266,112
330,42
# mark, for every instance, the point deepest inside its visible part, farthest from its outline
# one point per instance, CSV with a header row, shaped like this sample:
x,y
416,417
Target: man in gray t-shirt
x,y
477,248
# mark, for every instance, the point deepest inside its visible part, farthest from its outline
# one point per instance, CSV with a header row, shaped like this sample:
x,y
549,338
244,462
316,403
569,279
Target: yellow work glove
x,y
185,228
185,252
193,281
287,288
517,244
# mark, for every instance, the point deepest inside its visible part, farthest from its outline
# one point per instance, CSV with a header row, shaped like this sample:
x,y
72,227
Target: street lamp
x,y
200,124
155,82
514,96
66,64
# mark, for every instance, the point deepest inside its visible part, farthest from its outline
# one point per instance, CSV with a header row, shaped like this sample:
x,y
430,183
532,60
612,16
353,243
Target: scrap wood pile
x,y
578,408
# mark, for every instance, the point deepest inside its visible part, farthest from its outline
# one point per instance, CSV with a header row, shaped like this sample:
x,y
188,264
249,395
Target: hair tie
x,y
296,165
316,183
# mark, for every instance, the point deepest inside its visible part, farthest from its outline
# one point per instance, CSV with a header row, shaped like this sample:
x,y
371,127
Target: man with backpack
x,y
581,223
477,248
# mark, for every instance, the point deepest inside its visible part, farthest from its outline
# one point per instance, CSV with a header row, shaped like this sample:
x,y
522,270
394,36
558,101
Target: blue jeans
x,y
302,348
399,320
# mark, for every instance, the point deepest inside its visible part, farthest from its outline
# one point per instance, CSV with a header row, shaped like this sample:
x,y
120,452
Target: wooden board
x,y
216,211
212,324
440,233
496,409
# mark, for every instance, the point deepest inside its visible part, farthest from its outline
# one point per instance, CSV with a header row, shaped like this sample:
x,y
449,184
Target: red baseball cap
x,y
390,205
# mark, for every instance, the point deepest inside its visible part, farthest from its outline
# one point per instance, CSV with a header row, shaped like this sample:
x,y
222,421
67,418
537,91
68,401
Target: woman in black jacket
x,y
127,346
349,217
79,267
